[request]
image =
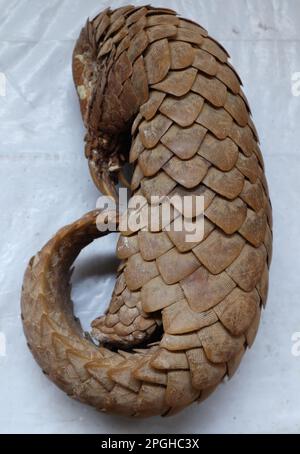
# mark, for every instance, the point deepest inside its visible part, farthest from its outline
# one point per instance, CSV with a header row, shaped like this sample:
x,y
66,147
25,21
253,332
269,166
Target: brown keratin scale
x,y
157,91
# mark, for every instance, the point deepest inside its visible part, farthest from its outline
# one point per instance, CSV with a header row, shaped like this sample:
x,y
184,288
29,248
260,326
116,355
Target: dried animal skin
x,y
145,71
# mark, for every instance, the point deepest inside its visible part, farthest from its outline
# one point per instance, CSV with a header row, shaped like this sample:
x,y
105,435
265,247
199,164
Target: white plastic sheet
x,y
45,184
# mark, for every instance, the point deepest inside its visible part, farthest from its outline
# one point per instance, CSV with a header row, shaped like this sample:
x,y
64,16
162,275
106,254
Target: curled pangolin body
x,y
163,78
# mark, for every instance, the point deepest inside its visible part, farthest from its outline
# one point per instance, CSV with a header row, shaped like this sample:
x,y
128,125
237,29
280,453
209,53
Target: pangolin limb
x,y
158,91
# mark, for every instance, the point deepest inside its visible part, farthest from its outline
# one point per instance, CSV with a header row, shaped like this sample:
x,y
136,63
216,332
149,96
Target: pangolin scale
x,y
158,91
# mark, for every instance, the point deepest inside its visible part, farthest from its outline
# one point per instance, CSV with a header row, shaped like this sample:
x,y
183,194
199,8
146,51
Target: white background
x,y
44,184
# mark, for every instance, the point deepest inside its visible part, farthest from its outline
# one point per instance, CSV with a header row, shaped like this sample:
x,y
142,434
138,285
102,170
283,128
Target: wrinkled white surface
x,y
44,184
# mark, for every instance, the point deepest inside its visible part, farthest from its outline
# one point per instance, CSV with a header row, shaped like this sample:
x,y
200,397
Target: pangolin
x,y
156,90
